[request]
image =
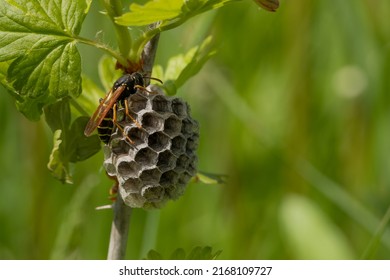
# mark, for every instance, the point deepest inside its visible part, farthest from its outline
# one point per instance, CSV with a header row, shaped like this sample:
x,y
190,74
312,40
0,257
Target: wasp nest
x,y
155,158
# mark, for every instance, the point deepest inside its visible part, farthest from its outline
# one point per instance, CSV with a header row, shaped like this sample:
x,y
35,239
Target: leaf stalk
x,y
114,9
118,56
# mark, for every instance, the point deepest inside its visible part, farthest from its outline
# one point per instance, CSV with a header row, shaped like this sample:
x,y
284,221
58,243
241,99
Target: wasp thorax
x,y
154,156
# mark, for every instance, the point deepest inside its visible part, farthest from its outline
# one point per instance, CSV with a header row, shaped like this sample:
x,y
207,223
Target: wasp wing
x,y
104,107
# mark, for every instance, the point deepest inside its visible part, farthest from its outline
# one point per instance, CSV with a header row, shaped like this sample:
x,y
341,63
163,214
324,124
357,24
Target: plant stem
x,y
119,230
122,212
155,29
149,54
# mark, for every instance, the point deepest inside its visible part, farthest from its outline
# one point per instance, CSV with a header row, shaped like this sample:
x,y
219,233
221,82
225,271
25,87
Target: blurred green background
x,y
294,108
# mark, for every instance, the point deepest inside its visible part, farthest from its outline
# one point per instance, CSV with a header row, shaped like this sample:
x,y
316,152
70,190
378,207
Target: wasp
x,y
105,116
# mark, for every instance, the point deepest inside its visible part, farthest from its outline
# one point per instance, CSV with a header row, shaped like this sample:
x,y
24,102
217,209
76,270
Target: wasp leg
x,y
145,89
141,88
114,120
129,116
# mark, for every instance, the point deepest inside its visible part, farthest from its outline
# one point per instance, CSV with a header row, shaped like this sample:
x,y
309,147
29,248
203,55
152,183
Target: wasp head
x,y
130,81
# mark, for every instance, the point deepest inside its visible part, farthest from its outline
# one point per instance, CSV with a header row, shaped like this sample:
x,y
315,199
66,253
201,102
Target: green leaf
x,y
209,178
70,145
89,100
57,115
199,57
107,72
38,39
167,16
154,255
195,253
203,253
58,167
82,147
3,78
167,11
184,66
152,11
178,254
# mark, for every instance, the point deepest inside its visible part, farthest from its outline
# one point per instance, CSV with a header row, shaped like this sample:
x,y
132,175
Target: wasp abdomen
x,y
106,128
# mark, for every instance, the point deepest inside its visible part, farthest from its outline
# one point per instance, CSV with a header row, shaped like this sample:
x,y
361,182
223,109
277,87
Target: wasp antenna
x,y
152,78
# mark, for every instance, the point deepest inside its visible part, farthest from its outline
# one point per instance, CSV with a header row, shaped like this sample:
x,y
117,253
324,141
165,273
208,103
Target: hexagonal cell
x,y
170,190
152,193
126,167
161,104
107,152
189,126
134,200
184,178
158,141
152,121
118,146
169,178
136,135
146,157
192,144
178,145
179,107
191,169
131,185
166,161
182,163
129,119
110,168
172,126
137,102
174,191
150,175
120,113
188,110
156,204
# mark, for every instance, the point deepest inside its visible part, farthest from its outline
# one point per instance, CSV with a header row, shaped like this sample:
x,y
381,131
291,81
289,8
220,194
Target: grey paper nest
x,y
157,166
